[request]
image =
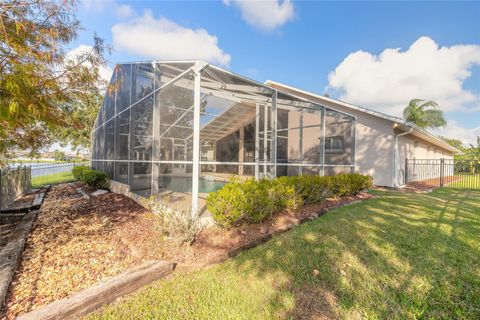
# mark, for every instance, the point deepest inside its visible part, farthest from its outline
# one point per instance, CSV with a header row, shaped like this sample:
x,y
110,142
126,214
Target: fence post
x,y
406,171
25,187
442,171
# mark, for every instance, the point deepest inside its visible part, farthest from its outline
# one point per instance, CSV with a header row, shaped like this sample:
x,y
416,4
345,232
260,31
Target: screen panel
x,y
339,138
122,86
143,77
175,130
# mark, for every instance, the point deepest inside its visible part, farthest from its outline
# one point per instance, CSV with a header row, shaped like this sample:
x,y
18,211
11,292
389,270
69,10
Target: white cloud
x,y
387,82
124,11
453,130
105,71
165,39
265,14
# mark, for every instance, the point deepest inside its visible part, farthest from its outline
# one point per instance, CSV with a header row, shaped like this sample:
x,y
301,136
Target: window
x,y
334,144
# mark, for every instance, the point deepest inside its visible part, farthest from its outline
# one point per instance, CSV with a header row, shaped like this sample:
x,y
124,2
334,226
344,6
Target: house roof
x,y
417,131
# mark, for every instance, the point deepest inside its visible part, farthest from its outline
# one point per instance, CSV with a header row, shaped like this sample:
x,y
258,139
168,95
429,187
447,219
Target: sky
x,y
379,55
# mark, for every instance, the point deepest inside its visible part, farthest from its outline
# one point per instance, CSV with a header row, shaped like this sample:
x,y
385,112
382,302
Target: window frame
x,y
329,144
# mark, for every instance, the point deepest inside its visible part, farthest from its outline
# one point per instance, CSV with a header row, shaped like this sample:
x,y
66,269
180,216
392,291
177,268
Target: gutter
x,y
395,152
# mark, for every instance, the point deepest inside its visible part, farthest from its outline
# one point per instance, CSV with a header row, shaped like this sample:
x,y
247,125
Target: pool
x,y
184,184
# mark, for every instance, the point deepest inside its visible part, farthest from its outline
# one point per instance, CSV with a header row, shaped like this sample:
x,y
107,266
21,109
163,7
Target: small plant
x,y
95,179
77,171
349,184
176,224
250,201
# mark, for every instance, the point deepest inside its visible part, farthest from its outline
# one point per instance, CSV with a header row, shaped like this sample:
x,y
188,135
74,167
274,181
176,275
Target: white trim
x,y
395,155
148,161
266,85
342,103
148,95
196,136
437,141
157,61
257,141
233,163
280,164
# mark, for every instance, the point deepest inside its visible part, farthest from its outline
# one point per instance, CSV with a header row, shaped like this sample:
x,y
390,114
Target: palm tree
x,y
474,151
426,115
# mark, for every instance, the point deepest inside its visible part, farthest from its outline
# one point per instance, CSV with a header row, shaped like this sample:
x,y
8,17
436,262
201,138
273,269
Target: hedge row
x,y
95,179
250,201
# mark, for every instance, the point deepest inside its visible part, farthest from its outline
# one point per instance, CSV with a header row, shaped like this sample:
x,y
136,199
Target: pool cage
x,y
179,130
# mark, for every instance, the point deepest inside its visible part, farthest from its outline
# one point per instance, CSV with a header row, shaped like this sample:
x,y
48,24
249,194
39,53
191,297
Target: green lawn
x,y
52,179
400,256
467,181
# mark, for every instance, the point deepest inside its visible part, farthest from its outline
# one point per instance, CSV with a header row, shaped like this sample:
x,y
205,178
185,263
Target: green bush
x,y
95,179
77,171
251,201
309,189
349,184
246,201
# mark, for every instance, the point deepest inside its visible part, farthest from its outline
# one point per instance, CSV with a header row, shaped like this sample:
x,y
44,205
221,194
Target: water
x,y
184,184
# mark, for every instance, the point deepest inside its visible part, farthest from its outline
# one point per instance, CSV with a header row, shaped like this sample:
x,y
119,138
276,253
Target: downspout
x,y
395,152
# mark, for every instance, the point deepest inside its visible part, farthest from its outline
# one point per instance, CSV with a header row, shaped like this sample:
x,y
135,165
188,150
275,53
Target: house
x,y
383,142
177,130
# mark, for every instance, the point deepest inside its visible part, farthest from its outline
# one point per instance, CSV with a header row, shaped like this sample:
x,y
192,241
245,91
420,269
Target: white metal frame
x,y
255,93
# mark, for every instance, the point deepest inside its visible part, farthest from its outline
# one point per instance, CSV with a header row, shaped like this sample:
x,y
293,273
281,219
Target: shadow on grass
x,y
401,255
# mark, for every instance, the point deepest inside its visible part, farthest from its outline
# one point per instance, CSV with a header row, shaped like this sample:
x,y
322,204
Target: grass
x,y
54,178
467,181
399,256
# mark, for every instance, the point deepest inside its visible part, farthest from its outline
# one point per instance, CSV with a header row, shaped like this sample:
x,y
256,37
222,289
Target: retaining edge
x,y
92,298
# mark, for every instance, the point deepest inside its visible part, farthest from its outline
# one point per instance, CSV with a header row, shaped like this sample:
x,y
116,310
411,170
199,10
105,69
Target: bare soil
x,y
77,242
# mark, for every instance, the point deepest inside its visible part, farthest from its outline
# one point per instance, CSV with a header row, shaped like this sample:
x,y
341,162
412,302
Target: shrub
x,y
95,179
360,182
311,189
349,184
250,201
240,202
77,171
178,225
284,194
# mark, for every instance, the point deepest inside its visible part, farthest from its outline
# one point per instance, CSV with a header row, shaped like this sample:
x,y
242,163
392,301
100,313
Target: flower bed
x,y
251,201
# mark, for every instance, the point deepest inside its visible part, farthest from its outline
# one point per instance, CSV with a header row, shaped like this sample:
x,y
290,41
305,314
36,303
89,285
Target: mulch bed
x,y
77,242
216,244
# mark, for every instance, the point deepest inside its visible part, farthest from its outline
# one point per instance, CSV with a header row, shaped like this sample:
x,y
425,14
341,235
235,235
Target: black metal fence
x,y
450,173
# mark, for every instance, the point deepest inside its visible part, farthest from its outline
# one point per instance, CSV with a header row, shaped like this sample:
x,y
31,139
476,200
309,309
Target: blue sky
x,y
433,48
